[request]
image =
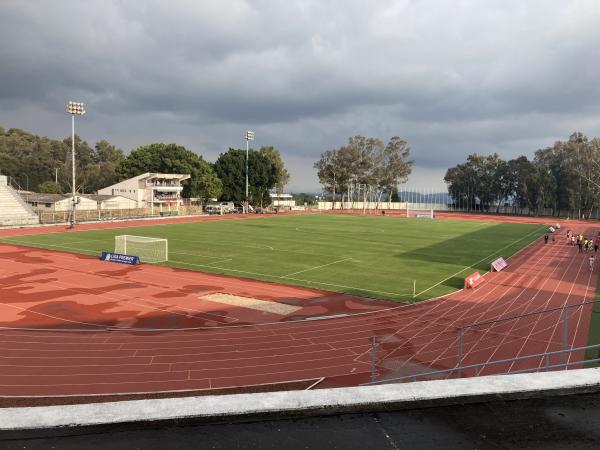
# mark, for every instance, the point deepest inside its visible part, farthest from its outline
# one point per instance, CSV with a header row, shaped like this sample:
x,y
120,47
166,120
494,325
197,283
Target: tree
x,y
562,178
395,167
328,168
172,158
262,176
282,176
365,165
49,187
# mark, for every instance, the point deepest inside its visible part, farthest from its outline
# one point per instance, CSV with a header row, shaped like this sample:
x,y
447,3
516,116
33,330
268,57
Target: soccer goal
x,y
420,213
149,249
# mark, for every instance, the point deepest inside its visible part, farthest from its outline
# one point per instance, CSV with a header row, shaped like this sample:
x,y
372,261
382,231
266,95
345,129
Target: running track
x,y
73,302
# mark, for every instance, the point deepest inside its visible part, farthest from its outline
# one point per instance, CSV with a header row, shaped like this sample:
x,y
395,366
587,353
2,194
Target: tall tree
x,y
328,170
365,164
281,174
262,176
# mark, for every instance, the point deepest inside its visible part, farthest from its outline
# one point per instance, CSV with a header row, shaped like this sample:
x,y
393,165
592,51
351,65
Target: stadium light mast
x,y
248,136
75,109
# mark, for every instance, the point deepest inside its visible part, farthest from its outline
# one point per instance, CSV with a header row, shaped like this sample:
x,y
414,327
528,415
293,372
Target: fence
x,y
98,215
393,359
432,198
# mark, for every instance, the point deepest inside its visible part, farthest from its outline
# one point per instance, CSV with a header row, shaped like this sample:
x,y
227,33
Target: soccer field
x,y
374,256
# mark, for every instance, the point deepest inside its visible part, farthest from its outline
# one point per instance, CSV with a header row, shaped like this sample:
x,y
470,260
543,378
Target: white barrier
x,y
278,405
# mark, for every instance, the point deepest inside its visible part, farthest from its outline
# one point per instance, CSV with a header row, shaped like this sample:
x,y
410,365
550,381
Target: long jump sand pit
x,y
271,307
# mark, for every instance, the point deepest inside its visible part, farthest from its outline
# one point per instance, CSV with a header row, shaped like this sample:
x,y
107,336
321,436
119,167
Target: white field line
x,y
289,276
220,261
477,262
582,270
559,321
224,243
480,301
41,246
195,254
315,383
316,267
518,254
585,296
352,287
276,277
549,263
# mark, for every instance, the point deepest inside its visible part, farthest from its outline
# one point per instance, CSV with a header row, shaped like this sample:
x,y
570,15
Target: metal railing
x,y
102,215
565,351
564,319
542,356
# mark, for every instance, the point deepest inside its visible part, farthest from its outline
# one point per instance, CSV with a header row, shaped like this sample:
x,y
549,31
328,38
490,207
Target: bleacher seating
x,y
13,210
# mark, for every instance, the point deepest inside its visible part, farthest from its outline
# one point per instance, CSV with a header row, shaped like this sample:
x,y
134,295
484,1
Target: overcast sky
x,y
450,77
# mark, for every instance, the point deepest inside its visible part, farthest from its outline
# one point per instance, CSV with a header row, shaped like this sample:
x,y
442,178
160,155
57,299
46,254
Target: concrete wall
x,y
84,204
118,202
383,205
361,205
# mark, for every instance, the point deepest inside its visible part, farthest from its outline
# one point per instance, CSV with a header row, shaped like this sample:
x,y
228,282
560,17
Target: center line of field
x,y
316,267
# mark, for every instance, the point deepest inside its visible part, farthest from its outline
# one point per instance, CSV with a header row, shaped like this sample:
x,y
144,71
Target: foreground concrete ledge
x,y
279,405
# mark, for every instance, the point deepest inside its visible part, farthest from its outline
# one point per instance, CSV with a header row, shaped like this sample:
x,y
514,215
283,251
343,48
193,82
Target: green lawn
x,y
371,256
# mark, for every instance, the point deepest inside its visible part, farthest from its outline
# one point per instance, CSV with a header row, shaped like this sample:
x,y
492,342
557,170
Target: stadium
x,y
246,303
299,225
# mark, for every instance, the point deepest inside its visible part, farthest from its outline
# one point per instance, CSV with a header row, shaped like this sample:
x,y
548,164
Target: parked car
x,y
220,208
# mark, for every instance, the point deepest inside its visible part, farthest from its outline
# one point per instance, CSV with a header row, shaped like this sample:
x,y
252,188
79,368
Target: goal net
x,y
149,249
420,213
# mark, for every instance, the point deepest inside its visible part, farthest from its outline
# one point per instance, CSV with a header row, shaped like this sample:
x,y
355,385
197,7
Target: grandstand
x,y
13,210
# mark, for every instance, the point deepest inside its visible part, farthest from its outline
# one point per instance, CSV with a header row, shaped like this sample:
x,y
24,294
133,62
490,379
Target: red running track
x,y
65,309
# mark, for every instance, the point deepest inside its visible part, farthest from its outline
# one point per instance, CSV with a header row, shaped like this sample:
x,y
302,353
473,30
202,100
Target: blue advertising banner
x,y
120,258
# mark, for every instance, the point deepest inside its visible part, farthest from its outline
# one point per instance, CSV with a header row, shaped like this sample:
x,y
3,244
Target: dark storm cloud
x,y
451,77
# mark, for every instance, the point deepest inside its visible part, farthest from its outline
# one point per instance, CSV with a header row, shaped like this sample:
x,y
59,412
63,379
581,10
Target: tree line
x,y
42,164
364,169
561,179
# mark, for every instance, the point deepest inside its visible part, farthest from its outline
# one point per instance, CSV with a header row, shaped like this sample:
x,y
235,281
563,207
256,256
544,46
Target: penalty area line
x,y
277,277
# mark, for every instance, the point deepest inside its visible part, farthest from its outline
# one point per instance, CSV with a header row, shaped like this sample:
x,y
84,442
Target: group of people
x,y
585,245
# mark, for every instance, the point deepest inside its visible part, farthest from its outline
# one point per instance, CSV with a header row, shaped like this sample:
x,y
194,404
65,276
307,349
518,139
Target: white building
x,y
85,202
282,200
113,202
57,202
150,190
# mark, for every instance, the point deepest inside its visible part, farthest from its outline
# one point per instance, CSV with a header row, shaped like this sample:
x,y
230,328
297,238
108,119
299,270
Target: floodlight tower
x,y
75,109
248,136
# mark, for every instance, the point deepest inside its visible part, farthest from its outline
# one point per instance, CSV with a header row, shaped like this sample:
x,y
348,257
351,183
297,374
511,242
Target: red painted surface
x,y
62,307
473,280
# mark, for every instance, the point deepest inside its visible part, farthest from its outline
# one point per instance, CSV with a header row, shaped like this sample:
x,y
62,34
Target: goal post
x,y
149,249
419,213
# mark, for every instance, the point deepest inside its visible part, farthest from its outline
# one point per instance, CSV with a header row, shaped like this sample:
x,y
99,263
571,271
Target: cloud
x,y
450,77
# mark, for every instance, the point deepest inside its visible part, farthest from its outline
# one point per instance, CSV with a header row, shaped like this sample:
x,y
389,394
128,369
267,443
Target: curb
x,y
320,402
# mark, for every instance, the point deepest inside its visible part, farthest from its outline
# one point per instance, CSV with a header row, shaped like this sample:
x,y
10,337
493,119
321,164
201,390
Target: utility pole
x,y
75,109
248,136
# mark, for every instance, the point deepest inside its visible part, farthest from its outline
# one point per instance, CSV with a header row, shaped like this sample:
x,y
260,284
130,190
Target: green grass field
x,y
370,256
